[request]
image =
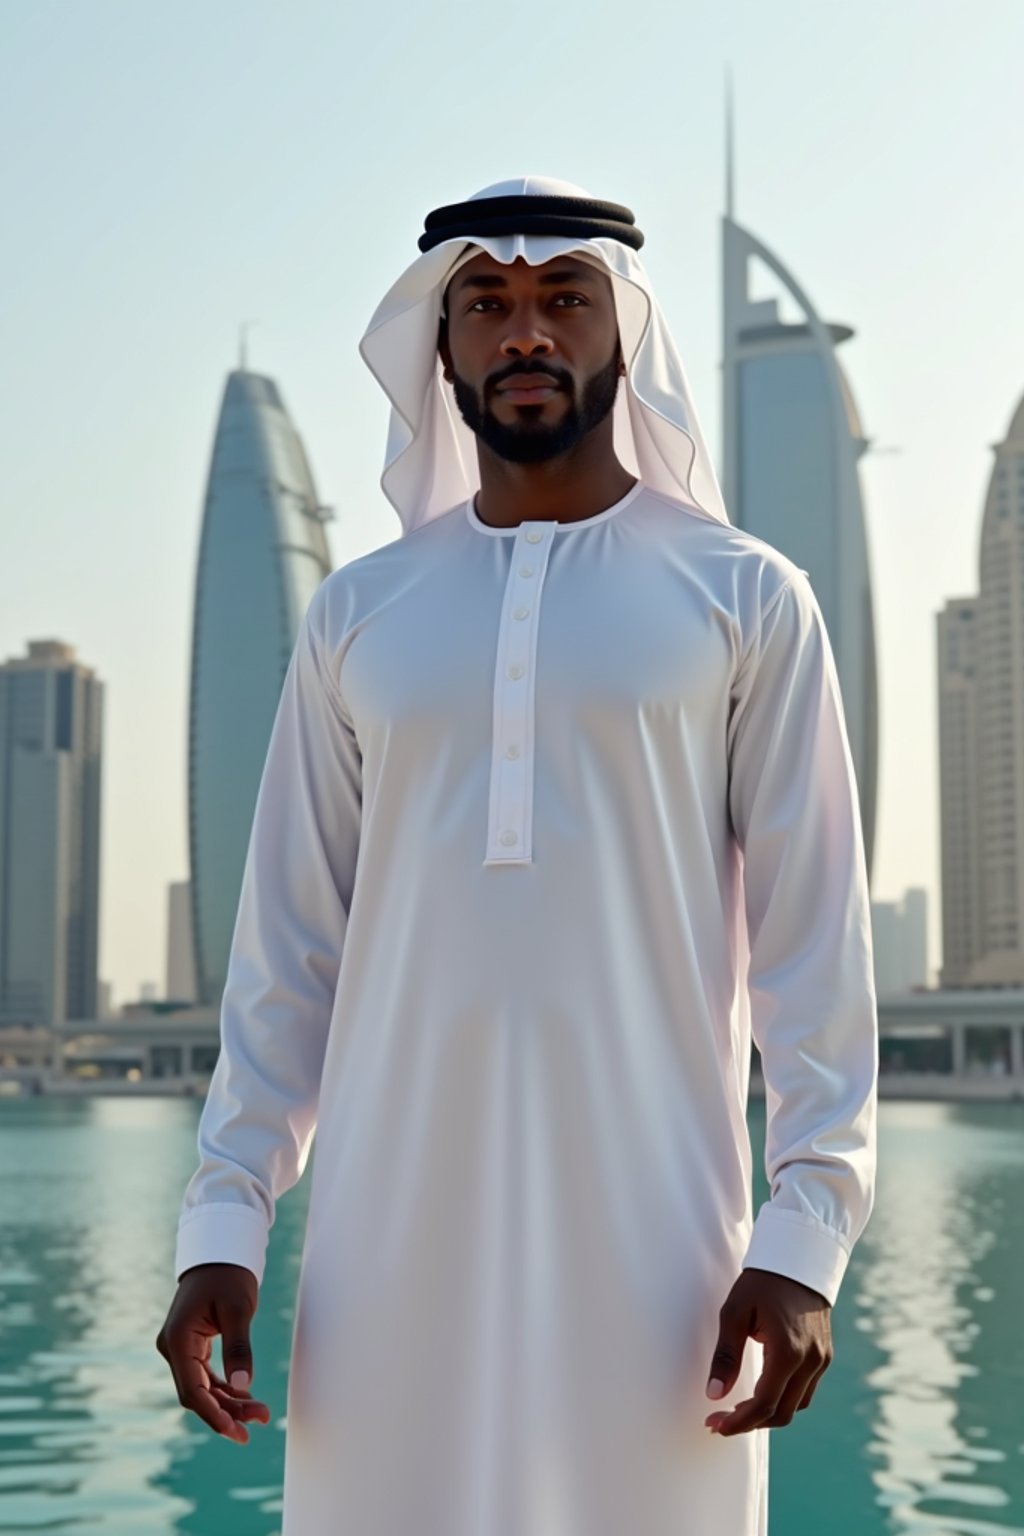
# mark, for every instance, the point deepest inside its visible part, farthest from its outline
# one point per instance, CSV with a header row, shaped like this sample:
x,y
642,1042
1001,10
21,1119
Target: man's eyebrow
x,y
547,279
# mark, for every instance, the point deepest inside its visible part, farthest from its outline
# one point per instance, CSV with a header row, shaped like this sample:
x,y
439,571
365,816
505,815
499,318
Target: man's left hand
x,y
794,1325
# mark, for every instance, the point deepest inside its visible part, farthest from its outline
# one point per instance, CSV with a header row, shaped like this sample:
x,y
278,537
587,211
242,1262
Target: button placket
x,y
510,813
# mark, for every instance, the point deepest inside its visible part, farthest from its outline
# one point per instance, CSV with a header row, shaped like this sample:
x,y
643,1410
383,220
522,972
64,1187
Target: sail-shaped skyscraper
x,y
792,441
262,554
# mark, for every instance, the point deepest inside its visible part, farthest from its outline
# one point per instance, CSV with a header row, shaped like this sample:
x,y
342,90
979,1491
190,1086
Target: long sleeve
x,y
795,813
259,1118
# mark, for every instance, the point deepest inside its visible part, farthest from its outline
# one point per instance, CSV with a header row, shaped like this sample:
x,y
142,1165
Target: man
x,y
558,809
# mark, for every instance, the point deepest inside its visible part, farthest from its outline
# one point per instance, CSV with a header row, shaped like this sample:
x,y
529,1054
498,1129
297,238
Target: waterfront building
x,y
51,722
900,931
792,441
981,743
959,800
180,983
953,1045
262,554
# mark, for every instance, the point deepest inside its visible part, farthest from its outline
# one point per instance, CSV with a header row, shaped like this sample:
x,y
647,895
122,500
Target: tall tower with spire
x,y
262,554
792,440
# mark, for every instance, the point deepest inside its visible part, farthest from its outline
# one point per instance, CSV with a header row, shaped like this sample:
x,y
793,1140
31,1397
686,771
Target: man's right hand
x,y
214,1299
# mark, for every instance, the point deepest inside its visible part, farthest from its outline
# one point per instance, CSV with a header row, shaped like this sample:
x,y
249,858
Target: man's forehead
x,y
484,270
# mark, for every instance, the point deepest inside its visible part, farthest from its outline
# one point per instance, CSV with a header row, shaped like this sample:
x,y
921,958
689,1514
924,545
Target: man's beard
x,y
528,440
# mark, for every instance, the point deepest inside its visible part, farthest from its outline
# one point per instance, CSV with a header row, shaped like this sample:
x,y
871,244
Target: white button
x,y
512,751
521,613
509,837
515,671
526,570
533,537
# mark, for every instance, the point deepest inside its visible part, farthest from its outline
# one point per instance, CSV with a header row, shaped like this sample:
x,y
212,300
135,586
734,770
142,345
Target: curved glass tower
x,y
262,554
792,441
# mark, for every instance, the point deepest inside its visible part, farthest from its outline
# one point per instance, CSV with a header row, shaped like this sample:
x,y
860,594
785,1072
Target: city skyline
x,y
145,247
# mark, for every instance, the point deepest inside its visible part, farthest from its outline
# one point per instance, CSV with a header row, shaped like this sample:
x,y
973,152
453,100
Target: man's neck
x,y
569,488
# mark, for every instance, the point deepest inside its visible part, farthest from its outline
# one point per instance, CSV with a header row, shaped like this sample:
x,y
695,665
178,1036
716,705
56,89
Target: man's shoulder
x,y
731,557
364,580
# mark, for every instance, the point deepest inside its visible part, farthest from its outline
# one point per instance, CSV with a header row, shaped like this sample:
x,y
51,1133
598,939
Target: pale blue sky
x,y
170,171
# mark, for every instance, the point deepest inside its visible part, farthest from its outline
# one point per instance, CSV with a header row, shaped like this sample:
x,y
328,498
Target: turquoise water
x,y
917,1427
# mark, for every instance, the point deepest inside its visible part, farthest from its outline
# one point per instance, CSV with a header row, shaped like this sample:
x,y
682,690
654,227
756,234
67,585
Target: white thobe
x,y
530,795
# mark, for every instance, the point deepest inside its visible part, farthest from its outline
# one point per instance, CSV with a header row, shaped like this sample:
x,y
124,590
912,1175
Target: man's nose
x,y
527,341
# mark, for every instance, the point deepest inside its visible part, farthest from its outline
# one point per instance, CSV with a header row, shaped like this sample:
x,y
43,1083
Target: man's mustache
x,y
516,370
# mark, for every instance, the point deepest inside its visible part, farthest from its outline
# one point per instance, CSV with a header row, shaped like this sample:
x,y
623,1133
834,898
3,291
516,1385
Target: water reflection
x,y
84,1426
936,1294
916,1428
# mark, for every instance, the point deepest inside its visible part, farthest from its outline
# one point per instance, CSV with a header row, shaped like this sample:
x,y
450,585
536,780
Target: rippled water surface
x,y
917,1428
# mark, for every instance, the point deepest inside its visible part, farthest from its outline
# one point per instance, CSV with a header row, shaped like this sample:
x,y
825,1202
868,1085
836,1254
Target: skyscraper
x,y
51,720
262,554
959,801
900,931
180,983
981,743
792,442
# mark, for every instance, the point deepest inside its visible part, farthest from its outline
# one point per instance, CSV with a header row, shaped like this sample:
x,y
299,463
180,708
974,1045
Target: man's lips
x,y
528,388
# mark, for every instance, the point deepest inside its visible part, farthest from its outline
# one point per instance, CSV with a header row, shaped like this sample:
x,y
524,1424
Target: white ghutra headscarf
x,y
431,463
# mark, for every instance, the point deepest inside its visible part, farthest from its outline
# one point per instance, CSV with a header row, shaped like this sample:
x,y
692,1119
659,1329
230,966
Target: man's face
x,y
532,353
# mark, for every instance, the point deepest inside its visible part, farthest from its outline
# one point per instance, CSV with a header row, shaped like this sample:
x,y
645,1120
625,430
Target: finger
x,y
793,1396
733,1331
219,1418
781,1363
241,1394
812,1385
241,1405
235,1394
235,1349
245,1411
193,1381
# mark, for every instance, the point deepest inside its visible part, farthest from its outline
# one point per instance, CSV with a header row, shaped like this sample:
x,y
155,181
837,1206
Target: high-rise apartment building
x,y
262,554
51,719
180,982
792,442
959,801
981,744
900,930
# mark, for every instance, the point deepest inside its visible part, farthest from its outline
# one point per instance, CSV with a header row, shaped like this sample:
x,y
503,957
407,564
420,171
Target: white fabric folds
x,y
532,1184
555,820
430,463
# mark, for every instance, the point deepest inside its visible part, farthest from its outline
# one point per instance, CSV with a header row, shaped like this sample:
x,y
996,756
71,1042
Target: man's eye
x,y
483,306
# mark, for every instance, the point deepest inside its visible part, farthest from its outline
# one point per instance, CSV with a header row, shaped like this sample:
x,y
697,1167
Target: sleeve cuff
x,y
222,1234
807,1251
